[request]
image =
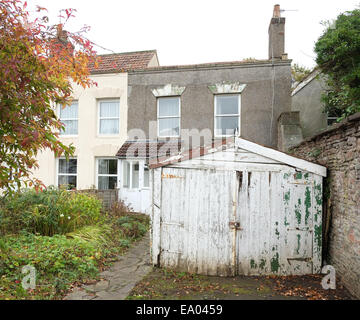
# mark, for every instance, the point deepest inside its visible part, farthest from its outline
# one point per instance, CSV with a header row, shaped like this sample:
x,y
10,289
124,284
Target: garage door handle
x,y
235,225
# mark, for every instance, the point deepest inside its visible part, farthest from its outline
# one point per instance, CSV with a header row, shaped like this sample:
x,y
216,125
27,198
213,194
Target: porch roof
x,y
149,149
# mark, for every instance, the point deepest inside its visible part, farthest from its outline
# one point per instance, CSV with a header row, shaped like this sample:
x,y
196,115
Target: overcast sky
x,y
197,31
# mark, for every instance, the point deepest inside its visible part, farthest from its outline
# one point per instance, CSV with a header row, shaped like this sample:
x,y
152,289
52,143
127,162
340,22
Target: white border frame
x,y
228,115
98,101
58,108
65,174
97,174
168,117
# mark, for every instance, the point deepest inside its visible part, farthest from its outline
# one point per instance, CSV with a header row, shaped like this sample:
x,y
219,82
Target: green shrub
x,y
133,225
49,212
97,235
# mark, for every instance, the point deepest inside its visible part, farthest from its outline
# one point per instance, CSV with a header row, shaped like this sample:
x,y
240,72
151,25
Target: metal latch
x,y
235,225
309,259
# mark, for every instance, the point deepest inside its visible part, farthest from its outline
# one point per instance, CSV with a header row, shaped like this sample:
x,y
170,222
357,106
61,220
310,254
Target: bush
x,y
119,209
133,225
49,212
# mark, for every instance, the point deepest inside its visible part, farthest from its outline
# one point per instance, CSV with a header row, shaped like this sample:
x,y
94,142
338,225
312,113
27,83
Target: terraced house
x,y
96,123
182,107
141,111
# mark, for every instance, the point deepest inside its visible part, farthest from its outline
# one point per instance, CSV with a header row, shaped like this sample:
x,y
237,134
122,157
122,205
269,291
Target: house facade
x,y
96,124
176,108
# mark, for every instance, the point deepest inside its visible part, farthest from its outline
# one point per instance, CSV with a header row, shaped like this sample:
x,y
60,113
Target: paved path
x,y
121,278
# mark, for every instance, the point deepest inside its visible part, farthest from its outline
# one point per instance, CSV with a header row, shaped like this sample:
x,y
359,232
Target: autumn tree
x,y
38,61
338,56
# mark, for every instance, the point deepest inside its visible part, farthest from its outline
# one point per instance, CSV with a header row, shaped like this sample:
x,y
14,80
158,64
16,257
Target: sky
x,y
199,31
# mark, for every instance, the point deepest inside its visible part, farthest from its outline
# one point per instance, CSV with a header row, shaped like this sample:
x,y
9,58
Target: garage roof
x,y
245,145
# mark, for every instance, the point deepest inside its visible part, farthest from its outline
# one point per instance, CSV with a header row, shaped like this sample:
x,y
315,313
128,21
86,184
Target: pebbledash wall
x,y
338,148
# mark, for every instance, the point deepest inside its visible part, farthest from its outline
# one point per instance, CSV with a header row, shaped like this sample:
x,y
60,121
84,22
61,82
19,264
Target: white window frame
x,y
62,134
107,118
66,174
227,115
168,117
141,172
144,164
97,174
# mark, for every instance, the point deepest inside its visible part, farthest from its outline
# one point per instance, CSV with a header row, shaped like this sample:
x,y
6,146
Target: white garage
x,y
237,208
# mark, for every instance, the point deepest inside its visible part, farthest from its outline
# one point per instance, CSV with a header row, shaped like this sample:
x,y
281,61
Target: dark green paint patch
x,y
306,175
298,175
286,223
277,231
262,264
307,204
298,211
253,265
318,235
318,194
287,197
275,263
286,175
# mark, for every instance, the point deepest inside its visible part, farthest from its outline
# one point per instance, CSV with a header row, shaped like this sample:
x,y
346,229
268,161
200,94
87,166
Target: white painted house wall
x,y
278,208
89,144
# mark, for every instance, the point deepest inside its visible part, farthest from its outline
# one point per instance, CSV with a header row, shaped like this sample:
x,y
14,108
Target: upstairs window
x,y
107,174
109,117
69,117
227,115
168,117
67,173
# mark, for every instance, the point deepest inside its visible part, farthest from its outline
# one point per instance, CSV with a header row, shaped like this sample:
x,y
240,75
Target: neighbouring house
x,y
306,99
96,124
193,105
237,208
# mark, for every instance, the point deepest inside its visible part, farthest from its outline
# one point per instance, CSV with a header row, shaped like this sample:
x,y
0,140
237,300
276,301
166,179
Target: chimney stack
x,y
276,35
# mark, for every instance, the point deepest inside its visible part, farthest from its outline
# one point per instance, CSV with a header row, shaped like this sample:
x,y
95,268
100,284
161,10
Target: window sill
x,y
108,135
68,136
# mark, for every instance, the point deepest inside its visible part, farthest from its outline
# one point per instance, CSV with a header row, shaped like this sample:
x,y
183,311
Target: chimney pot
x,y
276,13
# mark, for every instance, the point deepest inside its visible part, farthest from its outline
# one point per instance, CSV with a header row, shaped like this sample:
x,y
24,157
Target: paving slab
x,y
121,278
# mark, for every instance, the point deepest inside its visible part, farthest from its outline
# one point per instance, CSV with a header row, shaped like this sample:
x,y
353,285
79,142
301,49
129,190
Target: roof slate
x,y
149,149
122,62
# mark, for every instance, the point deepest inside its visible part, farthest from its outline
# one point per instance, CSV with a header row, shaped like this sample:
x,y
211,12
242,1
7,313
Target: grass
x,y
63,260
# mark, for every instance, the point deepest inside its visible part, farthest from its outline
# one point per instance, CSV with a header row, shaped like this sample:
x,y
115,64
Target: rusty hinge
x,y
235,225
309,259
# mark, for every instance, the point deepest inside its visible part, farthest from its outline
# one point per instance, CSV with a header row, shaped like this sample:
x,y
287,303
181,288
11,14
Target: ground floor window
x,y
67,173
107,173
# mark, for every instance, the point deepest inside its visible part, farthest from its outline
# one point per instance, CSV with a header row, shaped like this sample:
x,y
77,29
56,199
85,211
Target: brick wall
x,y
338,149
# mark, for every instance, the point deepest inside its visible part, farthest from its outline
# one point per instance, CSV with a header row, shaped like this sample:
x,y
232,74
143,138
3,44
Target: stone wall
x,y
338,148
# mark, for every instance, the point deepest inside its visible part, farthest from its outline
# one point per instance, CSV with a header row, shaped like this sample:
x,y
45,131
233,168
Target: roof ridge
x,y
208,64
124,53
